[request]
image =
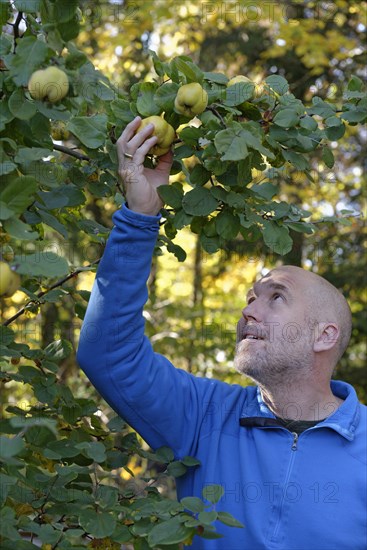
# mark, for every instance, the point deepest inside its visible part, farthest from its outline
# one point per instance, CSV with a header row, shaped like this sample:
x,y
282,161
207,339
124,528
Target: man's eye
x,y
250,300
277,295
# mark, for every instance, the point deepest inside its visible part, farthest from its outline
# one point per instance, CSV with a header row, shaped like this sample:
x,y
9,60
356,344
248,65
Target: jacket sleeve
x,y
164,404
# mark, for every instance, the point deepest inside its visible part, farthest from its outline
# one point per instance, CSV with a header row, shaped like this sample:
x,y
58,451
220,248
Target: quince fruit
x,y
59,132
9,280
191,100
51,84
164,132
5,277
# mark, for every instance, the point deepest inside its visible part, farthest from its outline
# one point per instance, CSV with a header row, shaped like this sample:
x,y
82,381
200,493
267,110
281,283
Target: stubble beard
x,y
270,363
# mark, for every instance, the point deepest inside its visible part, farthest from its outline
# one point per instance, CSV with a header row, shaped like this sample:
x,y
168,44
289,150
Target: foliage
x,y
60,461
59,471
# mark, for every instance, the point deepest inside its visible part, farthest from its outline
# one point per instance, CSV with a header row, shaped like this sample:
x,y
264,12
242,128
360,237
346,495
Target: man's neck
x,y
301,401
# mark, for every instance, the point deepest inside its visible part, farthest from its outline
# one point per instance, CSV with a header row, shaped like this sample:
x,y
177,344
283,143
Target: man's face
x,y
274,334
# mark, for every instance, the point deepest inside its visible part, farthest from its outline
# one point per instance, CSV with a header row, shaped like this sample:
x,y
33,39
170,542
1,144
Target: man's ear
x,y
326,336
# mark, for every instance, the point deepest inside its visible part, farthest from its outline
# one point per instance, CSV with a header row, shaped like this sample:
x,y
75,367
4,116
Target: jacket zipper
x,y
288,475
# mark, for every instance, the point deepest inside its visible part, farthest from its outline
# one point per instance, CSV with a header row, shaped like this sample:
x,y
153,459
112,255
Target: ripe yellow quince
x,y
191,100
9,281
51,84
5,277
13,285
164,132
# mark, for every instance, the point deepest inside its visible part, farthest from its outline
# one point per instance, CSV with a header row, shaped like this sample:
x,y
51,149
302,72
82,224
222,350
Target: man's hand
x,y
140,183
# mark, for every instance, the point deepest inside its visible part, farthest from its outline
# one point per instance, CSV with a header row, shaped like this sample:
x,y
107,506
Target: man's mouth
x,y
251,335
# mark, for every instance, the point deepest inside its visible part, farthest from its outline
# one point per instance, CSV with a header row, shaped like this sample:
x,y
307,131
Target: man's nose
x,y
251,312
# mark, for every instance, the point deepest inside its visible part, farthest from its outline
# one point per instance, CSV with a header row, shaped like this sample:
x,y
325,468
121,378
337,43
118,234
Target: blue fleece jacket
x,y
290,494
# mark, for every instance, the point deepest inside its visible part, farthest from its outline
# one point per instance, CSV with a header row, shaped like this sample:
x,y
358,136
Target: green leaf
x,y
116,424
58,350
171,195
190,461
301,227
207,518
213,493
97,524
29,154
10,446
238,93
321,107
165,96
228,519
199,202
181,219
19,193
157,63
191,135
199,175
30,54
266,190
38,421
53,222
94,450
286,118
168,532
19,230
308,123
145,103
227,225
189,69
20,106
43,263
332,121
6,483
6,335
296,159
334,133
91,131
194,504
121,110
49,535
328,157
278,84
231,144
5,212
164,454
277,238
355,84
7,525
218,78
354,115
176,469
28,6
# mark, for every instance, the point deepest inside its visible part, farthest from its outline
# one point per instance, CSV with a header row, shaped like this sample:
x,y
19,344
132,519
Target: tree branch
x,y
43,292
71,152
16,27
213,110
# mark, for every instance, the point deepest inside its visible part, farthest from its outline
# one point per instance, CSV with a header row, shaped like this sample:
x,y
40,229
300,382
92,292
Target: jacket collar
x,y
344,420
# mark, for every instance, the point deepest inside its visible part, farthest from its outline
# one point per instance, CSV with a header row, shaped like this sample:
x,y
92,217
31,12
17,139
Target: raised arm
x,y
165,405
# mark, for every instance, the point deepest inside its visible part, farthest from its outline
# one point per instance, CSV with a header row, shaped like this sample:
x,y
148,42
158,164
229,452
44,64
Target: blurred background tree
x,y
316,46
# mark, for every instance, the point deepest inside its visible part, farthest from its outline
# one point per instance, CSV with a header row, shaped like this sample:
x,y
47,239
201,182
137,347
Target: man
x,y
290,453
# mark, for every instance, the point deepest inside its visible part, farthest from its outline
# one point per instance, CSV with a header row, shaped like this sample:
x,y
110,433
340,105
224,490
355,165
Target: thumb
x,y
165,162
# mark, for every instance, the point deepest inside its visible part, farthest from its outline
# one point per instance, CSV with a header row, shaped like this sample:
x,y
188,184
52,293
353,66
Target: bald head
x,y
326,304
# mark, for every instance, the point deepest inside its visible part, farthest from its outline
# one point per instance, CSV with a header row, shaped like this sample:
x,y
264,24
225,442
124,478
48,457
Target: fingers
x,y
130,141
